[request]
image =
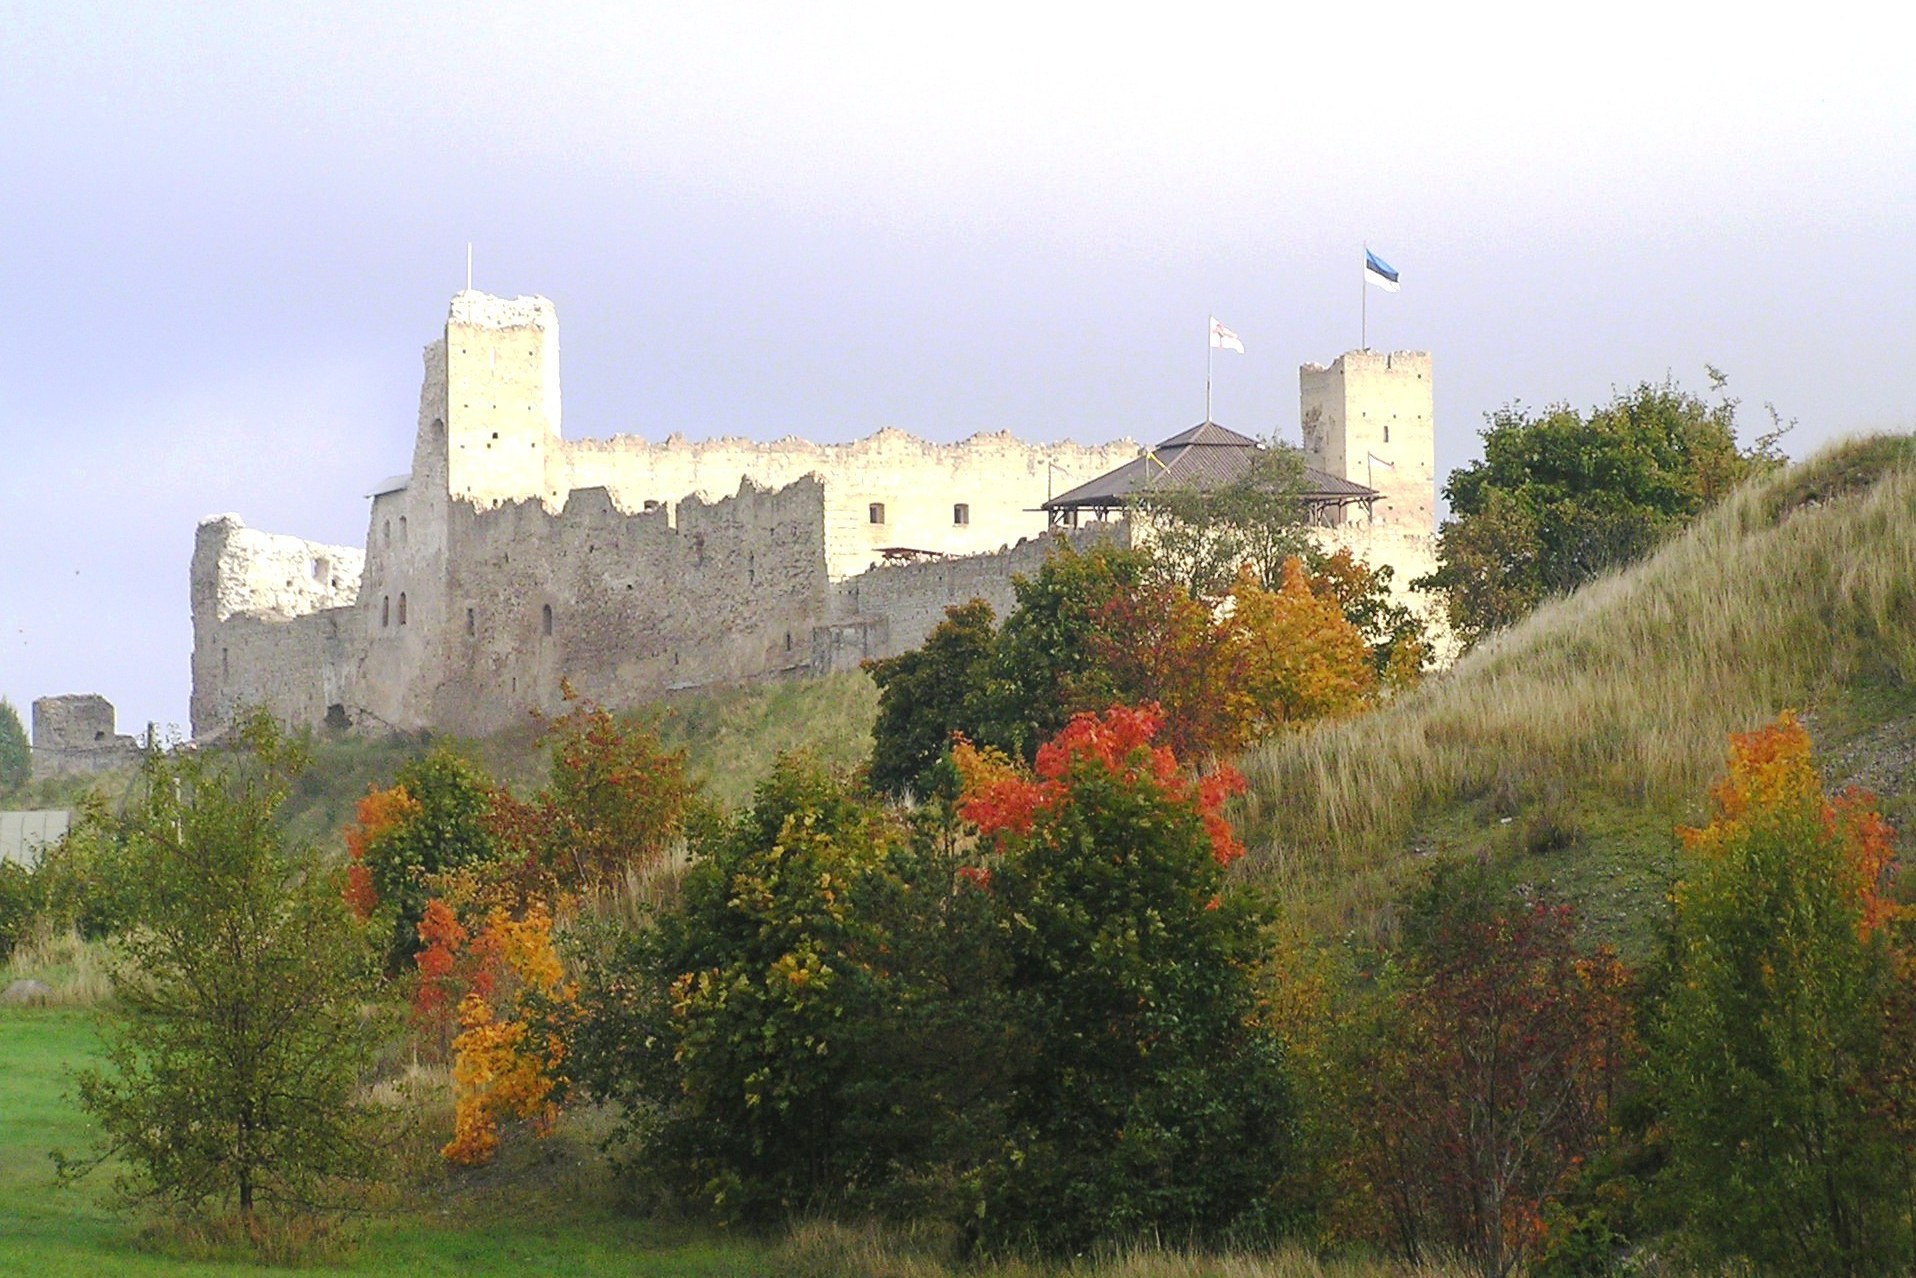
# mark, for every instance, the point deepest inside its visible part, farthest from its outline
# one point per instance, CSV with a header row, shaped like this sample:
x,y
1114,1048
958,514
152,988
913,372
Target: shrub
x,y
803,1027
1486,1083
432,820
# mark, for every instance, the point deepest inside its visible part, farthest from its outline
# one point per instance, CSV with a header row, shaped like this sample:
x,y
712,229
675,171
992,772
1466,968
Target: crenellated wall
x,y
510,558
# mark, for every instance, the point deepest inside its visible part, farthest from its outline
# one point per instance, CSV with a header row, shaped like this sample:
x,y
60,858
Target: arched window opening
x,y
961,515
386,532
402,530
877,512
1387,432
385,611
472,624
545,619
402,607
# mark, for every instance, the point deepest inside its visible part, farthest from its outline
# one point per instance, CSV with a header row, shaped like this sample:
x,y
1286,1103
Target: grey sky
x,y
226,234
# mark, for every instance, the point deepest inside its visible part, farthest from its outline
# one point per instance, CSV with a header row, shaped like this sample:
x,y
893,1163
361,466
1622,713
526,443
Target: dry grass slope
x,y
1797,586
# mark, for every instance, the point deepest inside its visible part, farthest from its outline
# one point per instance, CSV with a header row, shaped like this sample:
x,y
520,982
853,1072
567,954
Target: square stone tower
x,y
1369,418
501,389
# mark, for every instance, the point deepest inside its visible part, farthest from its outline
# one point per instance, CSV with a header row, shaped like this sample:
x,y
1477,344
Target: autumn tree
x,y
1224,677
1773,1054
435,818
1487,1083
1099,628
238,1030
1144,1098
1400,644
614,800
1561,497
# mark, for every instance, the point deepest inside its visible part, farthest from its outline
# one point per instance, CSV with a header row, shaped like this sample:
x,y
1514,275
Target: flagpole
x,y
1210,346
1363,303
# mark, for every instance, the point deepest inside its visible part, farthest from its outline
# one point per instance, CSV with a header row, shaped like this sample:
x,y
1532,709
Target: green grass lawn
x,y
50,1232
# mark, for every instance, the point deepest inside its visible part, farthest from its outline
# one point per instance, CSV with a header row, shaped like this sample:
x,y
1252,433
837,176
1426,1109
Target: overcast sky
x,y
226,234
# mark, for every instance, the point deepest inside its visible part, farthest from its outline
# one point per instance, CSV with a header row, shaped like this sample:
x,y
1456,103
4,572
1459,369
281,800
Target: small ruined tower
x,y
1369,418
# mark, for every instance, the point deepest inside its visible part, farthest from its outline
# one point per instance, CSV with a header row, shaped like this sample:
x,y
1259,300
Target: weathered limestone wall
x,y
999,480
269,622
1369,403
509,557
891,608
76,734
624,605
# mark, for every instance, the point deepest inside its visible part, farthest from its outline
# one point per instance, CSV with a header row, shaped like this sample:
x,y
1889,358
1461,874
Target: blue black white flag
x,y
1380,272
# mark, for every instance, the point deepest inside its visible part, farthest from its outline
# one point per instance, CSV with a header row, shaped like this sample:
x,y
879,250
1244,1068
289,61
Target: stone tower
x,y
1368,418
501,400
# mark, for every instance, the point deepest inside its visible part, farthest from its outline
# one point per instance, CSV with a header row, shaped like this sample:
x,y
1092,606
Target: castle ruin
x,y
510,558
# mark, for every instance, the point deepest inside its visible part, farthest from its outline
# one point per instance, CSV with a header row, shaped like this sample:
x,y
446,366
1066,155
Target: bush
x,y
434,819
1486,1082
804,1028
19,904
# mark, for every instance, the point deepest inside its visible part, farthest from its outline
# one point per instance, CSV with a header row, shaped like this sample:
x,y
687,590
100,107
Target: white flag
x,y
1379,461
1224,339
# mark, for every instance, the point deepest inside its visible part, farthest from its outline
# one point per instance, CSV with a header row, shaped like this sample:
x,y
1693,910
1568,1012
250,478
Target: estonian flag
x,y
1380,272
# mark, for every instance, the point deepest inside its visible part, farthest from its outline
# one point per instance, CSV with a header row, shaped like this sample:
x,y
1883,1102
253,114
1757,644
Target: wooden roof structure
x,y
1205,456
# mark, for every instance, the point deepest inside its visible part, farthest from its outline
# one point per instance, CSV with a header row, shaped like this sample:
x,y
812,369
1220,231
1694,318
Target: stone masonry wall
x,y
76,734
271,622
918,485
891,609
636,604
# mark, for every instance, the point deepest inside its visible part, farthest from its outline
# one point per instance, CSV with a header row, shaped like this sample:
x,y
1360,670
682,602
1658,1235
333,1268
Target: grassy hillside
x,y
1572,743
730,736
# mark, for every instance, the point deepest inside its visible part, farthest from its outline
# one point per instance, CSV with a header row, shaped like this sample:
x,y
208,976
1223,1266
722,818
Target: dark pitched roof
x,y
1205,456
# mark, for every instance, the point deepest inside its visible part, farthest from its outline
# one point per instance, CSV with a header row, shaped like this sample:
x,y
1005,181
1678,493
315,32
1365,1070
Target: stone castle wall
x,y
509,558
75,734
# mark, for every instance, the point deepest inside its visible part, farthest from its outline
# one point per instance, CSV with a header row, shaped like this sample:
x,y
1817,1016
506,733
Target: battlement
x,y
1413,362
1369,417
509,558
483,310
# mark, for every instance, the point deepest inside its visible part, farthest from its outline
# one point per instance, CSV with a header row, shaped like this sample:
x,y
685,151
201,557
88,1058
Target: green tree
x,y
1561,497
1145,1098
927,694
805,1026
238,1034
1043,668
16,755
1770,1054
1201,533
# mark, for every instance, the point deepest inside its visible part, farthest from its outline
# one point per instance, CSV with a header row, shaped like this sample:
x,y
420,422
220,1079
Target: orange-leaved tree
x,y
510,1054
614,800
1308,661
1225,676
1777,1062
